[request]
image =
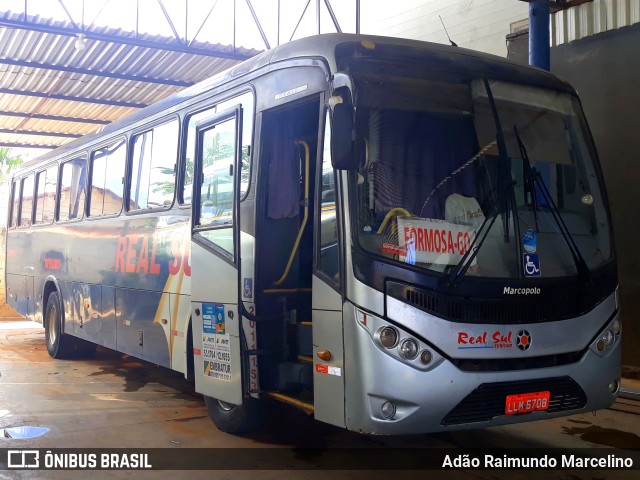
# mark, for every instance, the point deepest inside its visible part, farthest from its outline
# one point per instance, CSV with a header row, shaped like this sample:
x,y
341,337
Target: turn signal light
x,y
324,355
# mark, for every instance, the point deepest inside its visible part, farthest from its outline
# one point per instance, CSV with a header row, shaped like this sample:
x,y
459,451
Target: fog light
x,y
600,345
426,357
608,337
617,326
388,410
613,386
409,349
388,337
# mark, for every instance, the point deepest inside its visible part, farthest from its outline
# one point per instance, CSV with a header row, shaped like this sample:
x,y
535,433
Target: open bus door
x,y
216,260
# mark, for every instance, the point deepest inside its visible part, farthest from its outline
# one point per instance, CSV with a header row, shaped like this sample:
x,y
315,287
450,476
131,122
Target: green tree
x,y
7,163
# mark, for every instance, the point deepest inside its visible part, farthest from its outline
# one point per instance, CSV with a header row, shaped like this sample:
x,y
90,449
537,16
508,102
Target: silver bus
x,y
400,237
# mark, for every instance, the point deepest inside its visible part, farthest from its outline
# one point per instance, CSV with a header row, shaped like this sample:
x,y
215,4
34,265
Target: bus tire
x,y
235,419
59,345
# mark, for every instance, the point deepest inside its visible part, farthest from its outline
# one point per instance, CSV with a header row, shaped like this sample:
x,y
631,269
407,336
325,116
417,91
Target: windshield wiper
x,y
465,262
536,177
529,177
503,161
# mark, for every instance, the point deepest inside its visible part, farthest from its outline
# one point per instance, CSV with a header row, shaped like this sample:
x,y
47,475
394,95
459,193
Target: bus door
x,y
215,257
327,305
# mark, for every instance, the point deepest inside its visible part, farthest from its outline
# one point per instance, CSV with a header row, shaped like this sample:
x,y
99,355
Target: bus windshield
x,y
480,178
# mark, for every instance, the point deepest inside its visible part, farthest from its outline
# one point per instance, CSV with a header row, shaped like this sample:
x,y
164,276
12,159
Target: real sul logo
x,y
523,340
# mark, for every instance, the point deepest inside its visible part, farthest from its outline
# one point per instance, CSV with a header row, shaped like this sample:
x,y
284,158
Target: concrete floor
x,y
115,401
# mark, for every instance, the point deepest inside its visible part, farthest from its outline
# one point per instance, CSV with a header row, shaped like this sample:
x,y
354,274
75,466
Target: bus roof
x,y
322,47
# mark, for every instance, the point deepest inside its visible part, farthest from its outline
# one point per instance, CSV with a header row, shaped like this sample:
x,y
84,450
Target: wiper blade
x,y
529,177
536,178
465,262
581,264
504,178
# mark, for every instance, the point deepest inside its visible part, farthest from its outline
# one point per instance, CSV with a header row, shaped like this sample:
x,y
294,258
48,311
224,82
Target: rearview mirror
x,y
342,136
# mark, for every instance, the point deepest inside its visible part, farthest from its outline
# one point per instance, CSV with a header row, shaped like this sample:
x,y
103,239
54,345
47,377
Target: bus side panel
x,y
328,376
180,311
139,331
107,336
38,300
30,297
16,293
89,320
65,296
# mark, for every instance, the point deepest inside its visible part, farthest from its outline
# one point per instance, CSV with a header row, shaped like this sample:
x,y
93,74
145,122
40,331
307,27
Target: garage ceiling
x,y
59,81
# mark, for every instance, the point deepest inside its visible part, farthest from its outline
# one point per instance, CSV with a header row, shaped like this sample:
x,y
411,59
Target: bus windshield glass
x,y
477,178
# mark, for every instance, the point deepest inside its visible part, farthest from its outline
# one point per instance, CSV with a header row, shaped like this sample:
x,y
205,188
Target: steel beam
x,y
95,73
255,19
57,118
39,133
71,98
334,19
117,39
26,145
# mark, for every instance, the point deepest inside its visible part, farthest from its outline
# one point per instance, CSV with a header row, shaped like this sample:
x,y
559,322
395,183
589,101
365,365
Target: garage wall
x,y
476,24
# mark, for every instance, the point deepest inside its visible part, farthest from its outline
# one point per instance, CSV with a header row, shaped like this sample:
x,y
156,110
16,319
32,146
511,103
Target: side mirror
x,y
342,142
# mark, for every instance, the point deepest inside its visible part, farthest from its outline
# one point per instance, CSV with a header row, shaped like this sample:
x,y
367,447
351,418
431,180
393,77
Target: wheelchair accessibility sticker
x,y
531,265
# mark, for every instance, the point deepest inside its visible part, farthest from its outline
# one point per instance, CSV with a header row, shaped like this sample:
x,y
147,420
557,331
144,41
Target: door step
x,y
296,402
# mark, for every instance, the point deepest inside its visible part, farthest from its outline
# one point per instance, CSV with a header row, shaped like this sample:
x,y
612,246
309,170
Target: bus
x,y
395,236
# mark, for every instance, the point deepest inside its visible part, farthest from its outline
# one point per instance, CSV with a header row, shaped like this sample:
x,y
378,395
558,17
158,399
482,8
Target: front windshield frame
x,y
589,156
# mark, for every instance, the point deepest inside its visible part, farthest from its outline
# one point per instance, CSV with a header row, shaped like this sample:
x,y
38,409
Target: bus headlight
x,y
409,349
608,337
397,343
616,326
388,337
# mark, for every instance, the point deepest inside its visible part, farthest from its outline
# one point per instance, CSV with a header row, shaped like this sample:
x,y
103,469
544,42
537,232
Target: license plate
x,y
527,402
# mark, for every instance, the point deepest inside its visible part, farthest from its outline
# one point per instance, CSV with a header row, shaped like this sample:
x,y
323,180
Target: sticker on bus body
x,y
531,265
327,370
213,319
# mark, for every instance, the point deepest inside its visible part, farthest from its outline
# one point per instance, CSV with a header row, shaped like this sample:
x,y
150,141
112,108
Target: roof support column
x,y
539,48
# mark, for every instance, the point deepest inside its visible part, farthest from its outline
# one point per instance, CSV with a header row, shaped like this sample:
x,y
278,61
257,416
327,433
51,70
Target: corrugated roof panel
x,y
32,141
38,125
592,18
99,56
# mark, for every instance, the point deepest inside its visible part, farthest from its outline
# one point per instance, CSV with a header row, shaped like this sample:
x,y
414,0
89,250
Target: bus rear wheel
x,y
235,419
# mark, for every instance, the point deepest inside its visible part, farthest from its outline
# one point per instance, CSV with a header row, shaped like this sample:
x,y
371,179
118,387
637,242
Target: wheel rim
x,y
227,407
52,325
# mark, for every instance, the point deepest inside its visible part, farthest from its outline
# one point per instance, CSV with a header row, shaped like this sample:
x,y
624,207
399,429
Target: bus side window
x,y
15,203
217,190
26,207
46,195
107,171
328,255
72,189
246,101
153,172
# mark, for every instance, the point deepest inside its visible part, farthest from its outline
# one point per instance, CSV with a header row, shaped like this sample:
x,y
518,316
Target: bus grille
x,y
496,311
506,364
489,399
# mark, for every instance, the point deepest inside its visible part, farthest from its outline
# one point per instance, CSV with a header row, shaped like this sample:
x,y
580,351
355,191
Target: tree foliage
x,y
8,162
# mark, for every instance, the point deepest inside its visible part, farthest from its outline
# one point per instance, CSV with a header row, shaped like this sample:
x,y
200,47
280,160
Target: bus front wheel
x,y
59,344
235,419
